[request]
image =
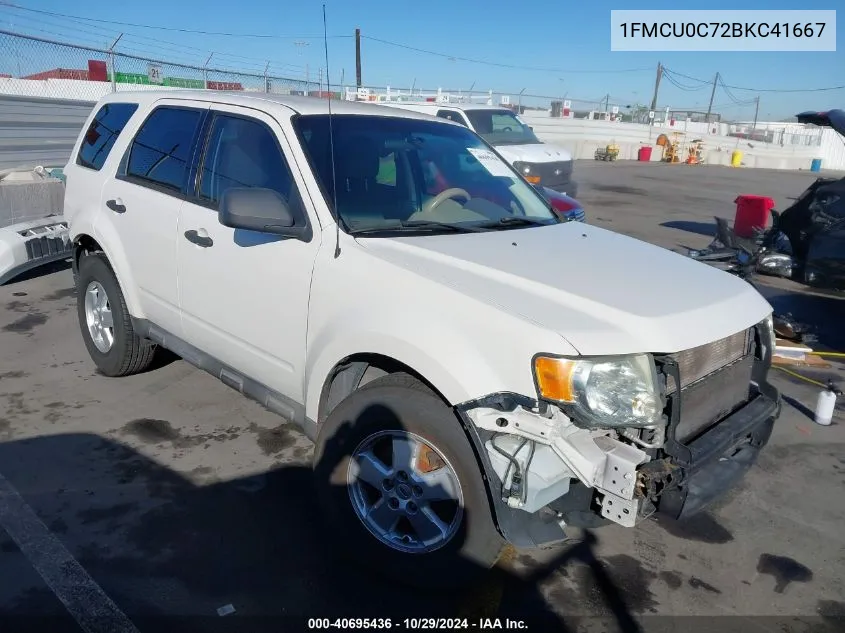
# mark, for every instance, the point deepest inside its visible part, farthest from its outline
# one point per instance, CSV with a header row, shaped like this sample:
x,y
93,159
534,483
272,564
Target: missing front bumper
x,y
715,462
616,480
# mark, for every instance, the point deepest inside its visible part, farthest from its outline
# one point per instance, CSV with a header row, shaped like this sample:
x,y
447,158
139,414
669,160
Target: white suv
x,y
471,369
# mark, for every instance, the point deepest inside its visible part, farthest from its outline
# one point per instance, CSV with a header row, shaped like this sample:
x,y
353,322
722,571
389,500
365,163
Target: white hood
x,y
603,292
534,153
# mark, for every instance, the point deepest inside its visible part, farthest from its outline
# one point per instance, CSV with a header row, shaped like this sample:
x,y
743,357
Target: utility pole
x,y
606,102
358,57
656,86
756,112
712,94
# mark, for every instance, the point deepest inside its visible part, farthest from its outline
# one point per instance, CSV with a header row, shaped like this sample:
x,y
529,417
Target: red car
x,y
565,207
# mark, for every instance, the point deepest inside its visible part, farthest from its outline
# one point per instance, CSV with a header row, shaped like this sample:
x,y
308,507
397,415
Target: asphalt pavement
x,y
149,502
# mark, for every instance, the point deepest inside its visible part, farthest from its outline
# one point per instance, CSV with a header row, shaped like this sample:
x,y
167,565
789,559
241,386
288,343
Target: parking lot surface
x,y
168,494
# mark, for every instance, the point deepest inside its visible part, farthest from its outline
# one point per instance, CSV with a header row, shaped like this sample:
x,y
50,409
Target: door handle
x,y
116,205
199,240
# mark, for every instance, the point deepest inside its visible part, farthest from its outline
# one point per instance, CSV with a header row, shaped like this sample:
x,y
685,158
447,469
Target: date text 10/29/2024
x,y
415,624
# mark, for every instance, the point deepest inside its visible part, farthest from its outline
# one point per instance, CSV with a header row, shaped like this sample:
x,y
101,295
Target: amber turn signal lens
x,y
554,378
534,180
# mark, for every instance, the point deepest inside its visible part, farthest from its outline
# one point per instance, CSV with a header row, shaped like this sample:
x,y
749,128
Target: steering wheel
x,y
446,194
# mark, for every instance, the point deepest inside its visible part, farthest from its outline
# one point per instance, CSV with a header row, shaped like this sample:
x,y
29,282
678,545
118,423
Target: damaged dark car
x,y
806,242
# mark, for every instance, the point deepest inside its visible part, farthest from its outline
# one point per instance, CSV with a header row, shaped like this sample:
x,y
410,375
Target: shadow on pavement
x,y
39,271
699,228
823,312
171,548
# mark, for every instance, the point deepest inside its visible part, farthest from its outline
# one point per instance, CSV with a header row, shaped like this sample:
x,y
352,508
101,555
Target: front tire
x,y
399,482
105,322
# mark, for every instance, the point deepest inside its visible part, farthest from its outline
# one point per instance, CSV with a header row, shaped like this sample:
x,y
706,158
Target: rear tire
x,y
105,322
398,408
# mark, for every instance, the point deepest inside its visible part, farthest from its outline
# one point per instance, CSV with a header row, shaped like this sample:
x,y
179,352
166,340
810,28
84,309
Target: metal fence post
x,y
111,60
205,70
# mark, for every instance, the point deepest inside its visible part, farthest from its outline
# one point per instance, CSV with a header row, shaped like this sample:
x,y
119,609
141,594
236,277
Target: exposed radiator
x,y
715,380
699,362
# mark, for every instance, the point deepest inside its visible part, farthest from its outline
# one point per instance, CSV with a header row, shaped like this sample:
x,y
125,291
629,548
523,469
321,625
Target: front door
x,y
142,205
243,294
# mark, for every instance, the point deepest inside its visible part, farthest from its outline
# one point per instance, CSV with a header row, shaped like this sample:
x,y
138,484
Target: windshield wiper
x,y
418,224
515,220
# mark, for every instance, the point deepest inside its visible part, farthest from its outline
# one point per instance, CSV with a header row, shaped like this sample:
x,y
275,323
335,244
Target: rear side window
x,y
243,152
103,132
452,116
161,151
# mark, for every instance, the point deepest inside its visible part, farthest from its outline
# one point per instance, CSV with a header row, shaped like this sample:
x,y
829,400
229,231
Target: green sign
x,y
142,78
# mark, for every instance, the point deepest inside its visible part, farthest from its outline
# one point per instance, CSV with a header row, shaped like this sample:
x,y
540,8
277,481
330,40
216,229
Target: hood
x,y
534,153
832,118
603,292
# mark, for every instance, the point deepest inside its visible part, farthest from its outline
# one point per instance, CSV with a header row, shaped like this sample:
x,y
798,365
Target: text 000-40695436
x,y
709,30
416,623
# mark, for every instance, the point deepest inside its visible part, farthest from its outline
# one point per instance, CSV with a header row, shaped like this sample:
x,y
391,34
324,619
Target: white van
x,y
540,163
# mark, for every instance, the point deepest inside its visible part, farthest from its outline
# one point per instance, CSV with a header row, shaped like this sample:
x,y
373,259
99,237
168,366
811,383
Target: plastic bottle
x,y
825,405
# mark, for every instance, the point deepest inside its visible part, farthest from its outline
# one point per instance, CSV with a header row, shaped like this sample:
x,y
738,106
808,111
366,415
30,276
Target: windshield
x,y
500,127
404,174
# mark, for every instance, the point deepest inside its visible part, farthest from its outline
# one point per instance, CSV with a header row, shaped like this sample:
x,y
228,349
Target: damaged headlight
x,y
616,391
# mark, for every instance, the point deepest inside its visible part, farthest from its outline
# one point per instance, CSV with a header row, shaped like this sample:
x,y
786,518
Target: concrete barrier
x,y
582,137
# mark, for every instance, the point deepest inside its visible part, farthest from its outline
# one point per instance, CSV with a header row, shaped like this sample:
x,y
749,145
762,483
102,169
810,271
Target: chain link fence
x,y
38,67
33,66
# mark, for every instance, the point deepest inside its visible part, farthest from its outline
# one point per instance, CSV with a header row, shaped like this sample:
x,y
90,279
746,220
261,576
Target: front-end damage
x,y
545,472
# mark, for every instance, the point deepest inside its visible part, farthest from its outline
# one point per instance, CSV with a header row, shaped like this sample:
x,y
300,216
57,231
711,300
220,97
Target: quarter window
x,y
452,116
102,134
243,152
161,151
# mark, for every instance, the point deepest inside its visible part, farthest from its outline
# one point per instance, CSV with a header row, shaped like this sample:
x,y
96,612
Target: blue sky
x,y
571,38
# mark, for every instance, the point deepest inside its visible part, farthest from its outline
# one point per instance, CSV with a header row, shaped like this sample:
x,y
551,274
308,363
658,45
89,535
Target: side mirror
x,y
261,210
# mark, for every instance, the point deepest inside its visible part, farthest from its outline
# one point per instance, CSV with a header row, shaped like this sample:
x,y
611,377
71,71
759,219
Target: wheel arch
x,y
85,243
356,370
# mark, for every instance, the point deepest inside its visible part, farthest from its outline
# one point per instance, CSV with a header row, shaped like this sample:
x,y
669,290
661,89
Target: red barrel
x,y
751,212
644,154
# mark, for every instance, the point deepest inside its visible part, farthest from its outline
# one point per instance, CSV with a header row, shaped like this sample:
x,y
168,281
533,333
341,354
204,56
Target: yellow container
x,y
736,158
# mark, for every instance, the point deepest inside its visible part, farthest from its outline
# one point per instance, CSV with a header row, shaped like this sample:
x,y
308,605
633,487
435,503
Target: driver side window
x,y
243,152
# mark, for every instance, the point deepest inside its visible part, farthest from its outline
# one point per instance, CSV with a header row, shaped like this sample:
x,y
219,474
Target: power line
x,y
171,28
675,82
144,45
680,86
706,81
496,64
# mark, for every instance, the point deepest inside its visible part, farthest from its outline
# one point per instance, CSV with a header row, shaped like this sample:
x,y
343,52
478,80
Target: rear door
x,y
143,200
244,294
83,173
